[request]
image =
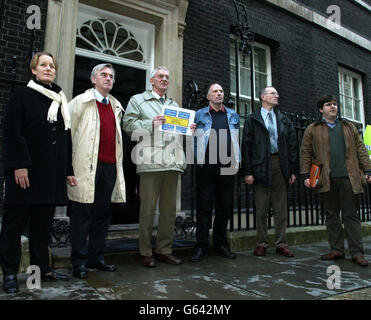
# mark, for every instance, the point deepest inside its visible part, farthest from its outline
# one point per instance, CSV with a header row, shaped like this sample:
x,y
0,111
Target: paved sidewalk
x,y
248,277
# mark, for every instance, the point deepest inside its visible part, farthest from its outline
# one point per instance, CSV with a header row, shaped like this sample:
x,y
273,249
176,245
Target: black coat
x,y
255,148
31,142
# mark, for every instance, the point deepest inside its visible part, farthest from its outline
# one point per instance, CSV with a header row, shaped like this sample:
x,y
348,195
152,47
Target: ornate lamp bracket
x,y
242,29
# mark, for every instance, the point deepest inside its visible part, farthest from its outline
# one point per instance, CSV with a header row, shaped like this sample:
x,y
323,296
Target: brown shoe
x,y
333,255
360,260
149,261
284,251
260,251
168,258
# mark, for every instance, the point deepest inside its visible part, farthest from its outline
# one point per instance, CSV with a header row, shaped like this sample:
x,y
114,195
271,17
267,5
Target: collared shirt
x,y
331,124
212,109
98,96
264,113
157,96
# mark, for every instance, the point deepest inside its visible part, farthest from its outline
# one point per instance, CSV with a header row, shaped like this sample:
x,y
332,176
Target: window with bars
x,y
351,96
261,72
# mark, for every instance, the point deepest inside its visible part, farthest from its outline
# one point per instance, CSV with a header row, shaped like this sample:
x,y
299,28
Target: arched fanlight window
x,y
108,37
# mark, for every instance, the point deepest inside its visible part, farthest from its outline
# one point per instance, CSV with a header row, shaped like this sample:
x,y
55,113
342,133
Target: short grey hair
x,y
153,73
101,66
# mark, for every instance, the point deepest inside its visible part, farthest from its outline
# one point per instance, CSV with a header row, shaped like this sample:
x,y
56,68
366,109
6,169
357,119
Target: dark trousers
x,y
92,219
341,197
14,221
213,188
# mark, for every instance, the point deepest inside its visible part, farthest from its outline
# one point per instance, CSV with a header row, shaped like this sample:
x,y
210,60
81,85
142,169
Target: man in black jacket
x,y
268,161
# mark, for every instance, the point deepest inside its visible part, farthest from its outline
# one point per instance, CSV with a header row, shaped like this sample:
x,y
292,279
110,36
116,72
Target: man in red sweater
x,y
98,175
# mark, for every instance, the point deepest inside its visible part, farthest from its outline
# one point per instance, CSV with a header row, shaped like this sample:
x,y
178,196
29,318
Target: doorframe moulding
x,y
168,16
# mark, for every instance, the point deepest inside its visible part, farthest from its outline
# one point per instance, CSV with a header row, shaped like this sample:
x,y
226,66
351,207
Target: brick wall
x,y
206,43
16,40
352,15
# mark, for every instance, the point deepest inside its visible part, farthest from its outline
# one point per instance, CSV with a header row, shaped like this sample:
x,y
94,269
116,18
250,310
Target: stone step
x,y
118,231
239,241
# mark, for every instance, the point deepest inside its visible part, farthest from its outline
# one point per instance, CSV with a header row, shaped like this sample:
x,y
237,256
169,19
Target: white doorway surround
x,y
166,16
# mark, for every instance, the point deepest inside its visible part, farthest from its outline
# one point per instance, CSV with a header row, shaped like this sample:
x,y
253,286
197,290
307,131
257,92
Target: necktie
x,y
162,100
272,134
105,101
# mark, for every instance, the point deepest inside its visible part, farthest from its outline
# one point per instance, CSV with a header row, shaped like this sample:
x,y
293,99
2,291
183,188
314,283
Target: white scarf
x,y
58,99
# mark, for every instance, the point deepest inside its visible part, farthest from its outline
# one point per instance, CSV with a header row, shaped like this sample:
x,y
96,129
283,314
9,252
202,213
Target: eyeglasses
x,y
273,94
161,76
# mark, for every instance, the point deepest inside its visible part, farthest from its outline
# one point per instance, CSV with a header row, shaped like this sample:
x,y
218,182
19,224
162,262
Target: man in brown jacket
x,y
335,145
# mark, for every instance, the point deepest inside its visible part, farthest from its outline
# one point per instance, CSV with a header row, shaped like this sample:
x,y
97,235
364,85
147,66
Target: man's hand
x,y
72,181
292,179
193,127
249,179
368,178
21,178
307,183
158,120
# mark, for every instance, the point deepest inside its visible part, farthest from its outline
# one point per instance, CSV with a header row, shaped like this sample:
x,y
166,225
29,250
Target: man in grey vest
x,y
335,145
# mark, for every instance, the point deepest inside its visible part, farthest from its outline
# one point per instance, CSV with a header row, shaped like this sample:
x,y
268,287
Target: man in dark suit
x,y
268,161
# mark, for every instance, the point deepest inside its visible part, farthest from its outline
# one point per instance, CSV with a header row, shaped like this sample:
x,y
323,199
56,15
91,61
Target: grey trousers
x,y
275,196
155,186
341,197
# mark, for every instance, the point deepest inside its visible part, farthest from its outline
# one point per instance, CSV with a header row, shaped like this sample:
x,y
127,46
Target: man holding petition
x,y
159,162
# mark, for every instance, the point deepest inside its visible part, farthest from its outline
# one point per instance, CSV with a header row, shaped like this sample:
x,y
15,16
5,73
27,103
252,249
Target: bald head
x,y
215,95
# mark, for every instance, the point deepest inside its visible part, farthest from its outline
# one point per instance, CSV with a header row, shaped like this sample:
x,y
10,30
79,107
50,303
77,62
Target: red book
x,y
315,173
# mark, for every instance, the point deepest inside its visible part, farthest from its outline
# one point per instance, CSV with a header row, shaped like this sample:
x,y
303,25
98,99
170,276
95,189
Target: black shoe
x,y
103,266
80,272
198,254
225,252
54,276
10,283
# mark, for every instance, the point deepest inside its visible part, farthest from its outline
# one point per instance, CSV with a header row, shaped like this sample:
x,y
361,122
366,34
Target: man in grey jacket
x,y
160,160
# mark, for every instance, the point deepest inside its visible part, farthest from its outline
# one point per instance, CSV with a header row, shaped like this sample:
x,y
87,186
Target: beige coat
x,y
164,151
85,128
315,148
